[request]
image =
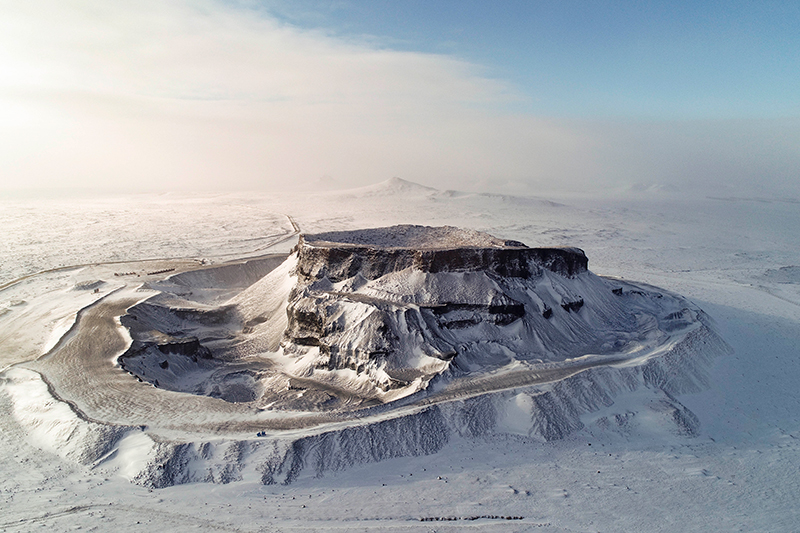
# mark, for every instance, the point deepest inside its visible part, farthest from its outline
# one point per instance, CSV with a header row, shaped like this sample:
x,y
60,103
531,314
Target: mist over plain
x,y
160,161
216,96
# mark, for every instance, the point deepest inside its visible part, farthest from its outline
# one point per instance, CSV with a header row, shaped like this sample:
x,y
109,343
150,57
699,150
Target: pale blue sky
x,y
584,58
513,96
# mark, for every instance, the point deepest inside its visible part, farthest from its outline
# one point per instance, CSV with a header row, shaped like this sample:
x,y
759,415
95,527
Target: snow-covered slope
x,y
354,318
641,463
382,312
392,187
359,346
548,411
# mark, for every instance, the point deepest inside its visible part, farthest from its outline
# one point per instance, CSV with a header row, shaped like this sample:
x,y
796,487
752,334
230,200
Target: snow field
x,y
738,473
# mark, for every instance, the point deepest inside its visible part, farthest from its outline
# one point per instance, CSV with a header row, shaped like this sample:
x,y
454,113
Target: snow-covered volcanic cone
x,y
365,317
355,347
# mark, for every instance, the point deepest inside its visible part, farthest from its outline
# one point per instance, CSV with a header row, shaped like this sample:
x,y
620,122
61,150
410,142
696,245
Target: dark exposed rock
x,y
572,306
338,264
190,347
453,315
354,253
318,316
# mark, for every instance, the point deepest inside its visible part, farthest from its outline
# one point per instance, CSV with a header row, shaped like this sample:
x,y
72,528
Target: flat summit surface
x,y
410,236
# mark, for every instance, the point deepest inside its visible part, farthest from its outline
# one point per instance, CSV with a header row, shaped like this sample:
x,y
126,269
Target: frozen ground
x,y
736,258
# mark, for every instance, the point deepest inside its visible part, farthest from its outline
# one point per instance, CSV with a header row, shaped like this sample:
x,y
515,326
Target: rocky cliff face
x,y
540,413
381,312
367,345
374,253
358,318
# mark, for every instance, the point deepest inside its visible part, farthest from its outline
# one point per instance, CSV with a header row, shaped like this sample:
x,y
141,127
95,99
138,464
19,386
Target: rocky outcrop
x,y
550,412
430,250
368,345
402,304
188,347
355,318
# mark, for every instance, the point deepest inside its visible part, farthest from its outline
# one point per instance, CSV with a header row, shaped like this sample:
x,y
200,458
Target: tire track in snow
x,y
82,372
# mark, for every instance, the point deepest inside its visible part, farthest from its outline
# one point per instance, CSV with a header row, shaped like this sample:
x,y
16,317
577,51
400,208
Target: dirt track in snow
x,y
82,371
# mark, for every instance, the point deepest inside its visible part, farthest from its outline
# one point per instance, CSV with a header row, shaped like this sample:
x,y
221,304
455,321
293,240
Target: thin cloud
x,y
205,95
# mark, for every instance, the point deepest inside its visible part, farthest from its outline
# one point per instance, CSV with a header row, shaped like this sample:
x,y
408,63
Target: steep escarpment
x,y
383,311
374,253
542,413
358,347
366,317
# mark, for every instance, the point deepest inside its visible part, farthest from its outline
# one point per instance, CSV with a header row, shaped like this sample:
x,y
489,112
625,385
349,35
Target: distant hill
x,y
392,187
400,188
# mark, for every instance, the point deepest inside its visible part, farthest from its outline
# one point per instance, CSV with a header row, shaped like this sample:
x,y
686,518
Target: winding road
x,y
81,370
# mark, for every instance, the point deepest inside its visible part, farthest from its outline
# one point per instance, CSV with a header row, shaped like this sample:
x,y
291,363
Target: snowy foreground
x,y
643,462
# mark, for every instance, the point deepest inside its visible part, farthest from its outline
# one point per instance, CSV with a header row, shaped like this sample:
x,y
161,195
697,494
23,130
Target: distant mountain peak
x,y
400,183
393,186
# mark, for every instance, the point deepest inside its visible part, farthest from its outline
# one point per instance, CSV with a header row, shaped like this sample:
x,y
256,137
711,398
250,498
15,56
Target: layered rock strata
x,y
381,312
375,253
355,318
358,347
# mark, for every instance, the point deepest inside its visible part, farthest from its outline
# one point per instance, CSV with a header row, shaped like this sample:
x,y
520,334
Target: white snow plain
x,y
626,469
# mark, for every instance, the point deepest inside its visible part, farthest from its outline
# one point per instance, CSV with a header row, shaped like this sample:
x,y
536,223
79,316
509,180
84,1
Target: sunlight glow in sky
x,y
518,97
656,59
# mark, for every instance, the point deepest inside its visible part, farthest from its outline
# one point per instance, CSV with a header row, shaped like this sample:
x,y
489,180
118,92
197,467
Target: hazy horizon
x,y
229,96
